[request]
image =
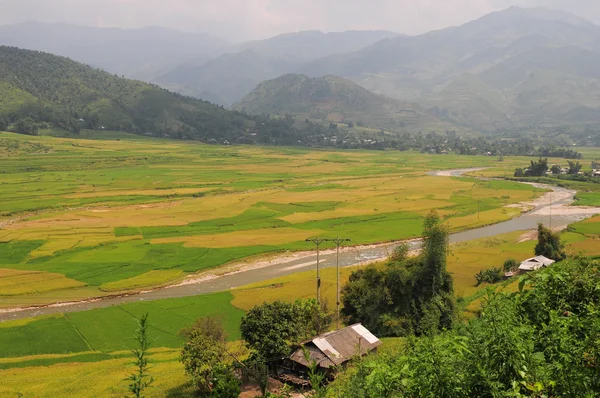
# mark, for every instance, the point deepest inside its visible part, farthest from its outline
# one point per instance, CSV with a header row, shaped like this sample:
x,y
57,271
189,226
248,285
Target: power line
x,y
338,242
317,242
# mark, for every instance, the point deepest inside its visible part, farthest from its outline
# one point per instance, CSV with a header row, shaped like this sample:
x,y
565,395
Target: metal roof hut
x,y
535,263
328,351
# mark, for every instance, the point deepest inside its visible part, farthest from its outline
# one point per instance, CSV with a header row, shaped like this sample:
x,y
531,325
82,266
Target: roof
x,y
535,263
334,348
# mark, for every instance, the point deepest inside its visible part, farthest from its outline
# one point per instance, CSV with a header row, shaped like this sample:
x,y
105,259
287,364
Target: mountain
x,y
56,90
230,76
514,67
333,99
135,53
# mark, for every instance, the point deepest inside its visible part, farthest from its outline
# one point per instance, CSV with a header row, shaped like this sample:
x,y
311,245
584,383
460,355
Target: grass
x,y
111,329
122,212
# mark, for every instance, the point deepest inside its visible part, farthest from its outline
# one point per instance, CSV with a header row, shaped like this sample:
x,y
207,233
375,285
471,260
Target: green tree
x,y
510,264
204,353
574,167
519,173
141,379
556,169
537,169
224,383
271,328
25,126
549,244
410,295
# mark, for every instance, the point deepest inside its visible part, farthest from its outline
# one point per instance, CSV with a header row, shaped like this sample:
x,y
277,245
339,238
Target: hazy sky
x,y
253,19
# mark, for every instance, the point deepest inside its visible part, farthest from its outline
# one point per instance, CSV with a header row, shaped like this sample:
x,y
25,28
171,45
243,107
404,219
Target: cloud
x,y
250,19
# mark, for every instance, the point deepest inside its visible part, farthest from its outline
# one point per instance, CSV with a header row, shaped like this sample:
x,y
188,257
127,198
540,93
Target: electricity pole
x,y
317,242
338,242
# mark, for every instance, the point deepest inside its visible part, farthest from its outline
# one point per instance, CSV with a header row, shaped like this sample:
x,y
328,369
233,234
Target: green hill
x,y
44,88
333,99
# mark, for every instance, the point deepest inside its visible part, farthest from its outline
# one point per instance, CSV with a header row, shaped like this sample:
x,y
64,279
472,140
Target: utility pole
x,y
338,242
317,242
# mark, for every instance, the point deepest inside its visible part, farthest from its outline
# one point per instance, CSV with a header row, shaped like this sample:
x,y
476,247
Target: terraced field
x,y
96,217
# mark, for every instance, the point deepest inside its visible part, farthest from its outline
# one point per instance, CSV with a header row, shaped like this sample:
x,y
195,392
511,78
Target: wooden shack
x,y
328,351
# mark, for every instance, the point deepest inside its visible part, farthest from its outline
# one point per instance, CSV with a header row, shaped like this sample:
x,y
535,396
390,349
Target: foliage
x,y
537,168
271,328
315,375
141,379
510,265
519,172
549,244
204,353
490,275
400,253
224,383
405,297
25,126
539,342
555,169
574,167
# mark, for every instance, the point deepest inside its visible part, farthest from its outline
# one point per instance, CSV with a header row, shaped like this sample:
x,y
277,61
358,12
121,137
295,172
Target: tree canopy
x,y
408,295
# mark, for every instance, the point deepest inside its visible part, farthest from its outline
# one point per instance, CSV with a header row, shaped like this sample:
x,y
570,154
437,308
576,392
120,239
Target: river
x,y
552,209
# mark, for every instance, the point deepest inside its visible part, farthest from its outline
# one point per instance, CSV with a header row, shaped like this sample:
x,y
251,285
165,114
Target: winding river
x,y
552,209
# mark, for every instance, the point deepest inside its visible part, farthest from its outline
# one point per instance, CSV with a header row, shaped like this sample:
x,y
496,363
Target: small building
x,y
535,263
328,351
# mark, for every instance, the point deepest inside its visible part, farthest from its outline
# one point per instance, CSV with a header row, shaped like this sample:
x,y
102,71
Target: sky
x,y
240,20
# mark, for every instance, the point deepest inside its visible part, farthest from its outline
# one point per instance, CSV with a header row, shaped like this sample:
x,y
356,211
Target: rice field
x,y
83,354
128,213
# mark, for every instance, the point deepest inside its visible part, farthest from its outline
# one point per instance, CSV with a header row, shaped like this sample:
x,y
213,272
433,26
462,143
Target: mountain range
x,y
513,69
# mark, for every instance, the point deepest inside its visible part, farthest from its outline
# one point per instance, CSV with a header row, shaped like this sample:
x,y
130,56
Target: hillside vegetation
x,y
59,91
337,100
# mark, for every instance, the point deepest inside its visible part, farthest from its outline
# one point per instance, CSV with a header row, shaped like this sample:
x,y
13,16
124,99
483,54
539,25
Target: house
x,y
328,351
535,263
596,173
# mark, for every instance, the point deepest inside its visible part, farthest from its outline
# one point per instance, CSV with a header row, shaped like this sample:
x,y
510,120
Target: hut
x,y
328,351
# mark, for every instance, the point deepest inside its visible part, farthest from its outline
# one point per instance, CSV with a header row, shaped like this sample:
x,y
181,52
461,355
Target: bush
x,y
492,275
510,265
25,126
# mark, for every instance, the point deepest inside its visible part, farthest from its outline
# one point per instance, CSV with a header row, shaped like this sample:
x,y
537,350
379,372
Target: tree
x,y
537,169
519,173
410,295
3,124
556,169
270,328
549,244
25,126
224,383
204,353
574,167
510,265
141,379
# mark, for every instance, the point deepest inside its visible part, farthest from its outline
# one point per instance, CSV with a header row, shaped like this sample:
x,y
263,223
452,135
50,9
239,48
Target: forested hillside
x,y
39,87
333,99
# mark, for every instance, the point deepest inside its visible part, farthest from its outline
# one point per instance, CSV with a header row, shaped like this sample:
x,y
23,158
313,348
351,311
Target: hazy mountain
x,y
232,75
66,94
333,99
135,53
513,67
